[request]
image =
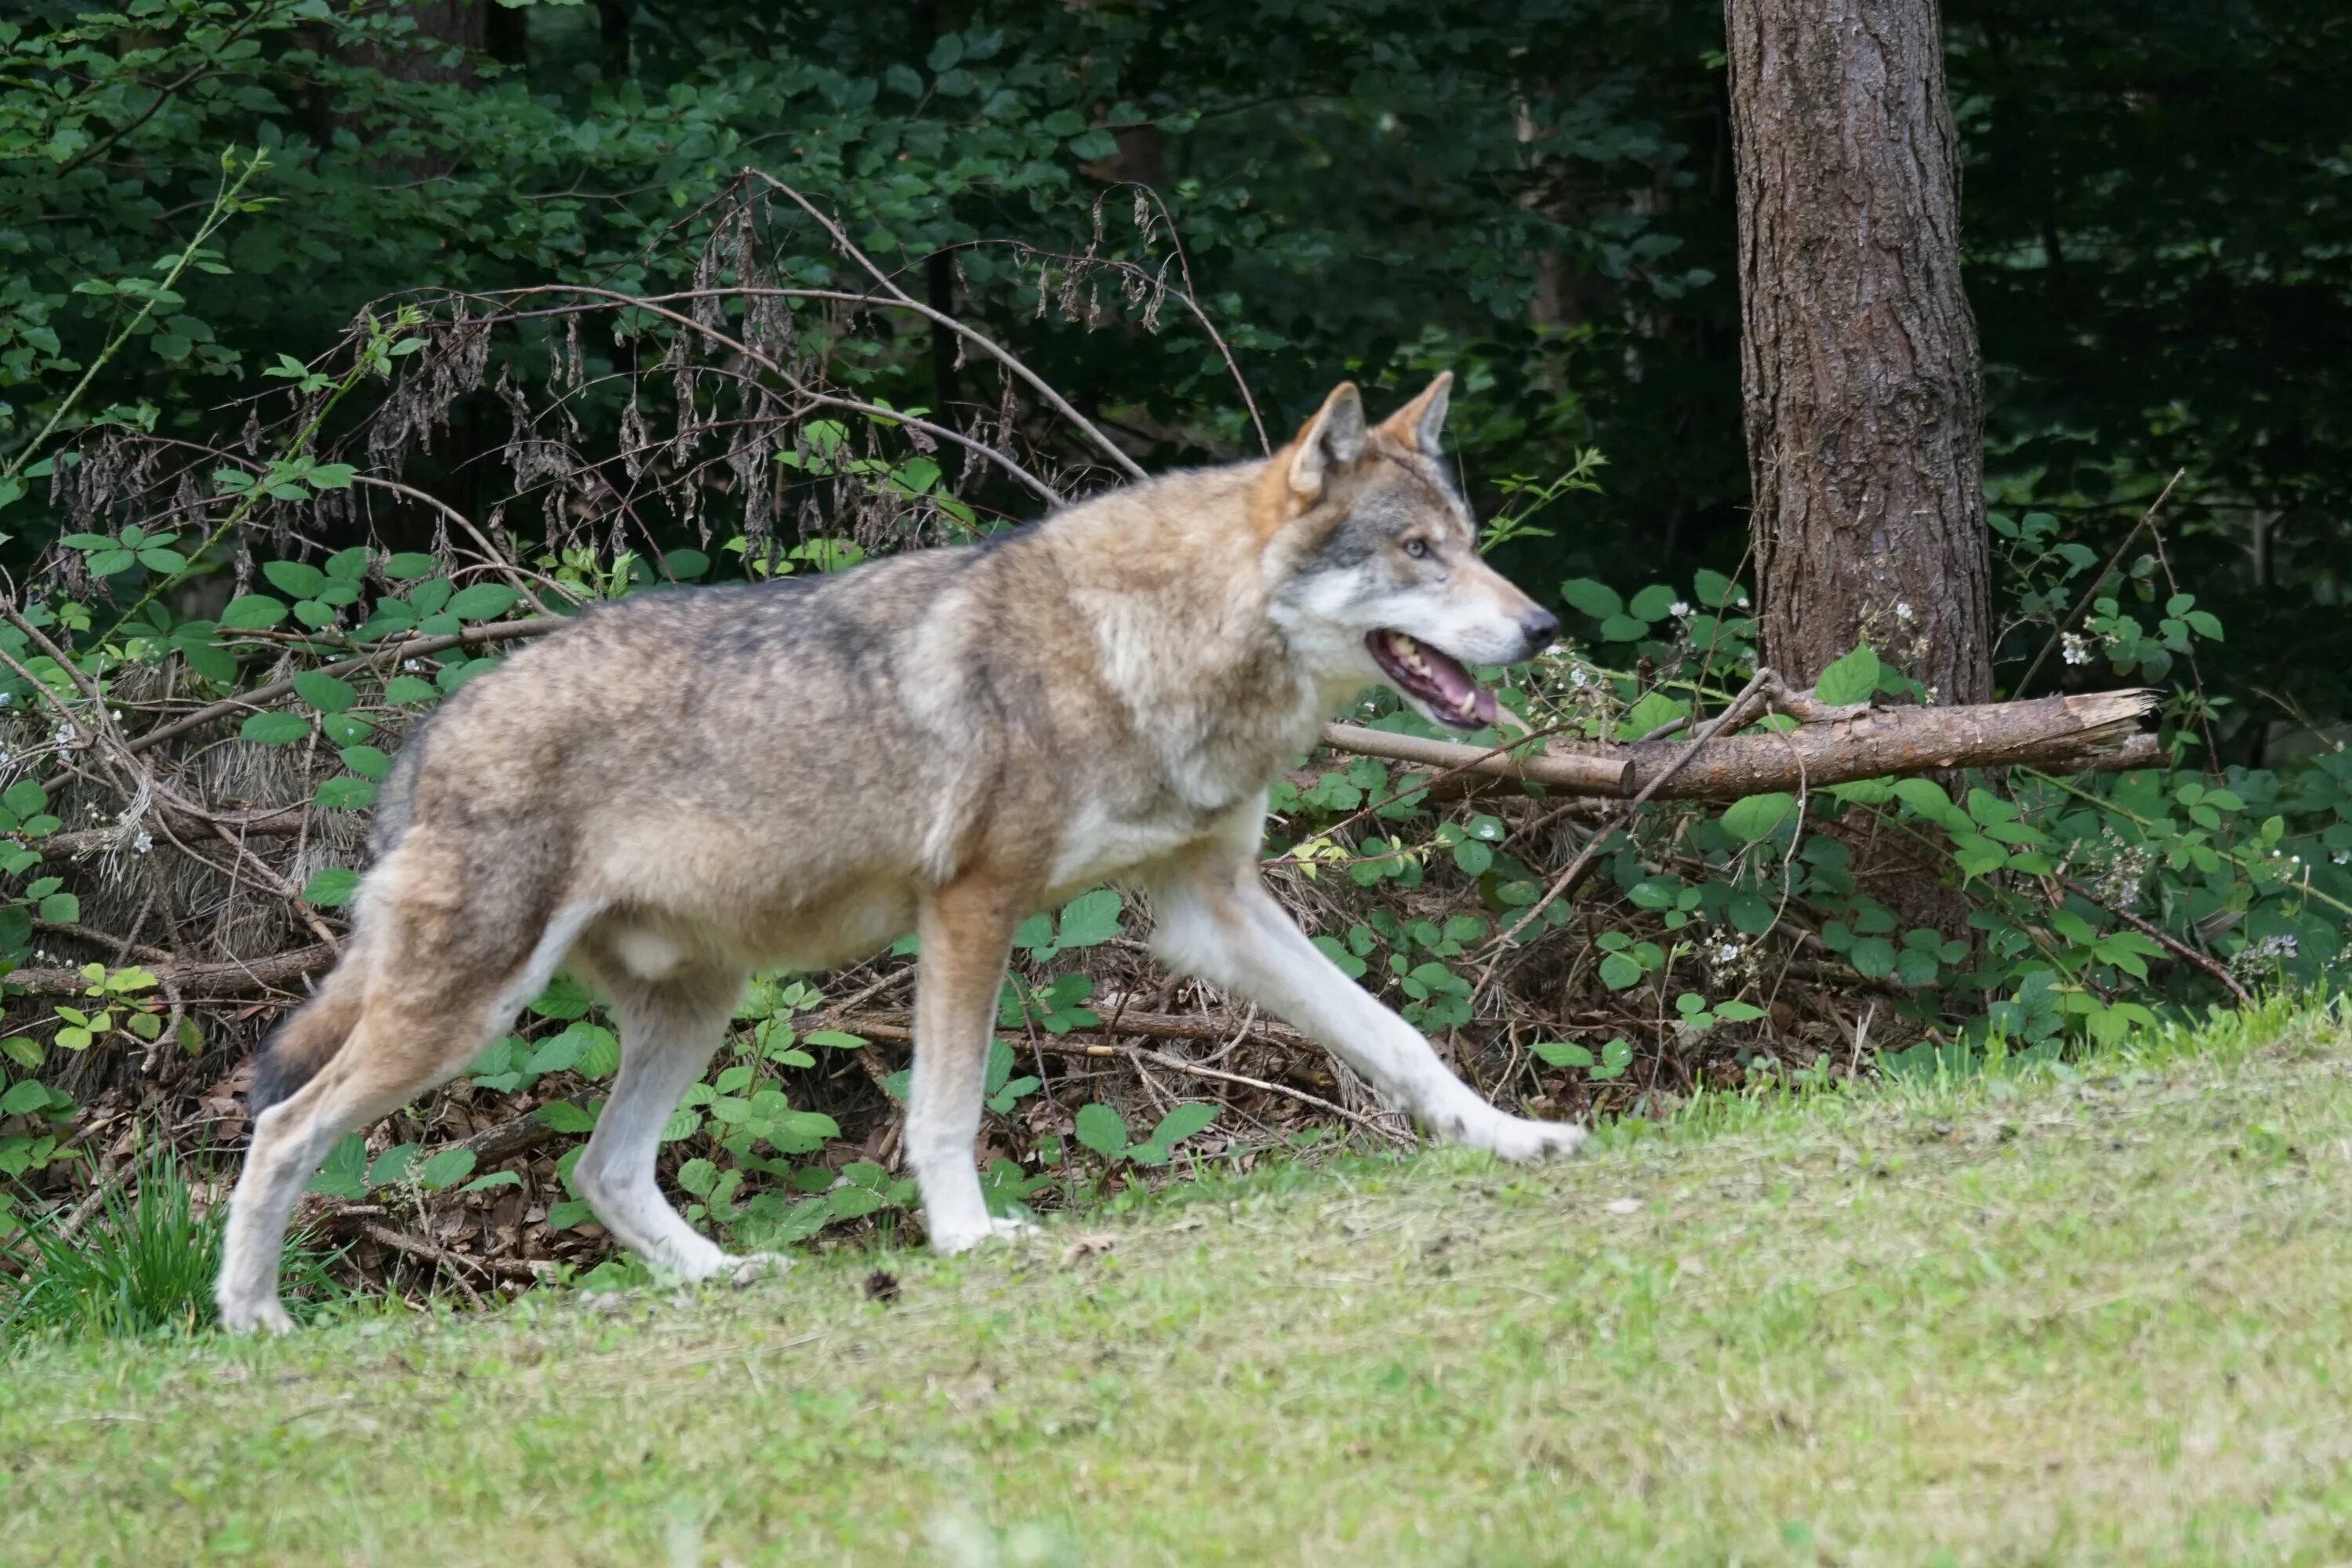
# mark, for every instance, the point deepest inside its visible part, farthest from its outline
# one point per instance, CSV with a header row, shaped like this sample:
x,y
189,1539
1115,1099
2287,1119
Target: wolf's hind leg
x,y
668,1029
1218,921
424,985
411,1033
967,935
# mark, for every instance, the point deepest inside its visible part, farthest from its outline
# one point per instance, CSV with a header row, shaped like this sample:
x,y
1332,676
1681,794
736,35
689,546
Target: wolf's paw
x,y
1519,1138
948,1243
758,1266
267,1315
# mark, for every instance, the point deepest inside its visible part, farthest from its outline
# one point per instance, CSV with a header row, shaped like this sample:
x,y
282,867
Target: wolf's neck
x,y
1170,577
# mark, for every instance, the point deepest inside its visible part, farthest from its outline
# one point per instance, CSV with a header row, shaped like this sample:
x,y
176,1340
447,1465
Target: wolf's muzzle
x,y
1538,626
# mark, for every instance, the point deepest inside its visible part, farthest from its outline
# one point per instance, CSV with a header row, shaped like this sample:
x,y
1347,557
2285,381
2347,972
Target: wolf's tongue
x,y
1455,685
1437,678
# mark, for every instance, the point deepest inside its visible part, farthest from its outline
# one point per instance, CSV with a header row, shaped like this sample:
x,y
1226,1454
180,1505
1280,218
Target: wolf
x,y
686,787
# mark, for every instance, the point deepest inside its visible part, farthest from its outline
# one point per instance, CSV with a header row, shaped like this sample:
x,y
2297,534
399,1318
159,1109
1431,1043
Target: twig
x,y
2058,634
1730,717
2163,939
1061,405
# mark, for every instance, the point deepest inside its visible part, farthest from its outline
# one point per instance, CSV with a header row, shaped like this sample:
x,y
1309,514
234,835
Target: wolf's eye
x,y
1416,548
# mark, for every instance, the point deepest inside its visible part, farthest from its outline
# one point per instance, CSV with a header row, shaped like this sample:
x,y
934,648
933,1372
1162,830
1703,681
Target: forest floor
x,y
2088,1315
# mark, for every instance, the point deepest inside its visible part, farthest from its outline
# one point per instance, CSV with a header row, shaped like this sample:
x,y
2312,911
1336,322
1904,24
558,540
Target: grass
x,y
2091,1316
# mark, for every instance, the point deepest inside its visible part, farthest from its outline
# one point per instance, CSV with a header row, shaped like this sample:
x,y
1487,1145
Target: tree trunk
x,y
1863,384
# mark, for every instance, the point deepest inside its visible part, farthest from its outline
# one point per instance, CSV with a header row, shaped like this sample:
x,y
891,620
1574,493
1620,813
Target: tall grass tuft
x,y
142,1265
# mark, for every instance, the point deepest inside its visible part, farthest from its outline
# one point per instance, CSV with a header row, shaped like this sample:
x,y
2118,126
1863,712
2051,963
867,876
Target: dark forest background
x,y
1539,195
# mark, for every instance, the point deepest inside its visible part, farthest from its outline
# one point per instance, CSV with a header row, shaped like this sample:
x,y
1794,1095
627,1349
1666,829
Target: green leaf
x,y
447,1169
1751,913
1654,709
1181,1124
327,693
391,1164
1874,957
209,659
1851,679
410,564
252,612
563,1116
26,798
331,886
366,761
697,1176
294,577
1090,919
1927,797
275,728
1654,603
1620,969
495,1179
1737,1012
563,998
1595,599
1754,817
407,691
482,602
61,908
1714,589
555,1053
1102,1129
835,1039
1563,1053
1623,629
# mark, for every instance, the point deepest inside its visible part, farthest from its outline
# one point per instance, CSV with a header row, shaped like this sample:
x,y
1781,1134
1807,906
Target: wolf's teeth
x,y
1469,703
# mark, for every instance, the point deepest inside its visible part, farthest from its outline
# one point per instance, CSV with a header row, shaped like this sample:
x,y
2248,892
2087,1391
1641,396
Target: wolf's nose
x,y
1539,627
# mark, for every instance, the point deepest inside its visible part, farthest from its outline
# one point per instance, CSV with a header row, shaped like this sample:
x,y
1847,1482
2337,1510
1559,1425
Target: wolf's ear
x,y
1333,439
1417,426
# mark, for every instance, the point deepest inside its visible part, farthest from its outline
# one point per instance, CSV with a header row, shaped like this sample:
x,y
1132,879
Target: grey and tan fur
x,y
688,786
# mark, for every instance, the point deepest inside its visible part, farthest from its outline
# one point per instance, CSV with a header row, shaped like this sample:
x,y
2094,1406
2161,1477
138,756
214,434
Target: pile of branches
x,y
711,419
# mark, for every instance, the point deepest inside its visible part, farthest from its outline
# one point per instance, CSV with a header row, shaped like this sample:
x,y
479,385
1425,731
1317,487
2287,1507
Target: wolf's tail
x,y
310,1039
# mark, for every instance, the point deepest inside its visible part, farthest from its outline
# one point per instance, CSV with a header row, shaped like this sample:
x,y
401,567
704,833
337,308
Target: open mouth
x,y
1436,682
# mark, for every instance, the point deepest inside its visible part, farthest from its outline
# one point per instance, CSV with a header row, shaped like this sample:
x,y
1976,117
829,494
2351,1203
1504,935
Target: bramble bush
x,y
1721,943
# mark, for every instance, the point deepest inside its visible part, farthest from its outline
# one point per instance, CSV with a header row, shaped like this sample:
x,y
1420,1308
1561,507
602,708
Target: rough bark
x,y
1860,369
2067,734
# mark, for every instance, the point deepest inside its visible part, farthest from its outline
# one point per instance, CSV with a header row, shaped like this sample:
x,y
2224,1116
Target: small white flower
x,y
1678,609
412,664
63,735
2342,856
2077,650
143,843
1578,678
1902,609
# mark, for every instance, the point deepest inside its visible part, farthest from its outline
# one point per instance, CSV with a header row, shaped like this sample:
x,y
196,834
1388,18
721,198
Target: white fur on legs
x,y
943,1105
665,1042
964,947
1223,926
289,1139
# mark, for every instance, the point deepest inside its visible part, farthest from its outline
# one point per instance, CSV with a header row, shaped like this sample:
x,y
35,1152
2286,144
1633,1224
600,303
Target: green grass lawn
x,y
2088,1317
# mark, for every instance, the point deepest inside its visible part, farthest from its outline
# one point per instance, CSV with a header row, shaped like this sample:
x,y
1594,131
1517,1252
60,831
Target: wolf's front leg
x,y
966,934
1220,923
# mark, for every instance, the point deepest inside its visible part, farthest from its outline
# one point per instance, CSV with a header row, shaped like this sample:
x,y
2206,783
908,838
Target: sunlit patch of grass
x,y
2085,1312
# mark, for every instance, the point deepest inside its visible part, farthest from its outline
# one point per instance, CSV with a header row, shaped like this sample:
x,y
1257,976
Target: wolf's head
x,y
1375,560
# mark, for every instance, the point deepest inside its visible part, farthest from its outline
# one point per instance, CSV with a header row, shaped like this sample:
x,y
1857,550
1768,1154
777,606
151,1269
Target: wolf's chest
x,y
1099,844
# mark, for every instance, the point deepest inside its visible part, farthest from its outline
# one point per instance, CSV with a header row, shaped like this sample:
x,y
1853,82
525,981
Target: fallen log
x,y
227,978
2073,733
